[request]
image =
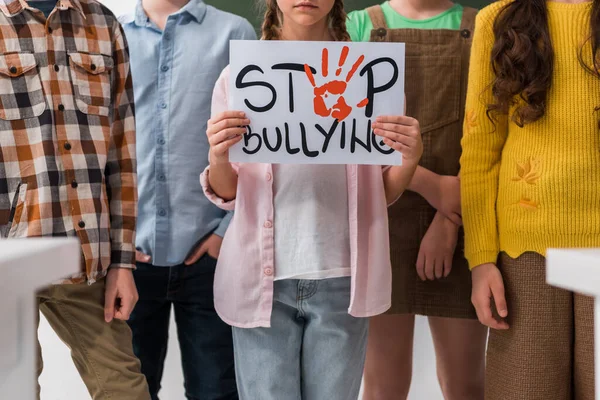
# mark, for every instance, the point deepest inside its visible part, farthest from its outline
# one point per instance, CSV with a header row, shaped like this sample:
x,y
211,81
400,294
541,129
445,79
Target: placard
x,y
314,102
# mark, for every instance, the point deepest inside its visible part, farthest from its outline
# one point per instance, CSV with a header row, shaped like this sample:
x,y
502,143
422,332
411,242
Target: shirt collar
x,y
10,8
194,8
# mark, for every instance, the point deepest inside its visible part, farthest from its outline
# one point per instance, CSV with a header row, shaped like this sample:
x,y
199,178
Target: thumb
x,y
110,298
497,287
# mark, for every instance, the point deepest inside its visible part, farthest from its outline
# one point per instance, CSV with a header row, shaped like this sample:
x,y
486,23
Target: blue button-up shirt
x,y
174,72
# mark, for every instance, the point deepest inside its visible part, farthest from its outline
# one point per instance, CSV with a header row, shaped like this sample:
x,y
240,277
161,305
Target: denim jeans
x,y
314,349
205,341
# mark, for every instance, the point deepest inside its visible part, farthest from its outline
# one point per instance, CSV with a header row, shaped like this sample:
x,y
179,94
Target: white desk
x,y
579,271
27,265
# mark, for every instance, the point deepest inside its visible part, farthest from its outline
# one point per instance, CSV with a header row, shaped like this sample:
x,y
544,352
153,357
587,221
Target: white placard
x,y
314,102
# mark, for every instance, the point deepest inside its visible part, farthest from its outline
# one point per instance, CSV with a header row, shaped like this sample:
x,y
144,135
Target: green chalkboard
x,y
249,10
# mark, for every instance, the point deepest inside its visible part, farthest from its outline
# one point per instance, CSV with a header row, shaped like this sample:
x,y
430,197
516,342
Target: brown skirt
x,y
449,297
548,351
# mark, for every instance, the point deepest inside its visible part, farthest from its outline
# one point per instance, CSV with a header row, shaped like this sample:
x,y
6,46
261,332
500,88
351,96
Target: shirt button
x,y
49,30
13,70
269,177
67,146
165,68
268,271
268,224
163,105
381,32
161,177
465,33
161,141
93,67
74,184
56,68
162,212
81,224
61,107
166,36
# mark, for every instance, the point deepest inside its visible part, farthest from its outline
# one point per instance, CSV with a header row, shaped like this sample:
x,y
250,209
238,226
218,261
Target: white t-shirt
x,y
312,239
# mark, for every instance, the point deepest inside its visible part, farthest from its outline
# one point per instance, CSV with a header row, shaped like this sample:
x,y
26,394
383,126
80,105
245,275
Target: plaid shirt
x,y
67,131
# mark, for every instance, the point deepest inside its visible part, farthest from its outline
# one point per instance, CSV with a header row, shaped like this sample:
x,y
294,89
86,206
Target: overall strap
x,y
377,17
468,18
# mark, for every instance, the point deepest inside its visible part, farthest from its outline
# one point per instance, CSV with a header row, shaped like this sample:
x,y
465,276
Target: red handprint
x,y
341,109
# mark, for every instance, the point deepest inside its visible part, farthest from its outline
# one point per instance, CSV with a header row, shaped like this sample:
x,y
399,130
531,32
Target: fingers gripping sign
x,y
340,110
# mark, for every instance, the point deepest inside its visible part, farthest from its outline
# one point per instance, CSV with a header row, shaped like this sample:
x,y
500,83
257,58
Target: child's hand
x,y
488,285
223,131
437,249
403,134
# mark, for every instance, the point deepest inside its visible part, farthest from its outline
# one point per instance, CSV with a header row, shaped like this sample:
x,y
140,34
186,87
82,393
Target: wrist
x,y
430,188
219,164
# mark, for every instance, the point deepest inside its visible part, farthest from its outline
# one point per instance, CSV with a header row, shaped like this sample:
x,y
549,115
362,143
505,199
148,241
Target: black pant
x,y
205,341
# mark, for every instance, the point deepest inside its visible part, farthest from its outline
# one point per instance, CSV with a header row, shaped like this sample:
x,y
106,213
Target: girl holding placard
x,y
430,273
305,261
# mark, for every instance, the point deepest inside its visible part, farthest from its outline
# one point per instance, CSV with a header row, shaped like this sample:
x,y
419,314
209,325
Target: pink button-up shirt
x,y
245,270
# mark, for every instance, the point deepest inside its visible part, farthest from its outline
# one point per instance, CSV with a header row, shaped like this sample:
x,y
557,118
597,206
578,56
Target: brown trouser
x,y
102,353
548,352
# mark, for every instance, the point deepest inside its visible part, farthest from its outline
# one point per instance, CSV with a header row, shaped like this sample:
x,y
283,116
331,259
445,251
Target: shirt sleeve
x,y
483,141
357,24
120,173
220,103
246,31
222,228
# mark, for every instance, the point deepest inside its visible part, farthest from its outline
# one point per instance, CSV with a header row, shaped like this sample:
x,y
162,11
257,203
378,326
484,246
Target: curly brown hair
x,y
523,59
271,25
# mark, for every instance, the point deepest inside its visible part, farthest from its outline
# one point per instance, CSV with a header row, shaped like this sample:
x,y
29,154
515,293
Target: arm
x,y
222,178
120,175
482,144
396,180
441,191
120,172
402,134
225,129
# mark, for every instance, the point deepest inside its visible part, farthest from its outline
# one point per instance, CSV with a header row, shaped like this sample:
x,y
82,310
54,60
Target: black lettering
x,y
354,140
240,84
307,152
328,135
291,85
372,90
377,142
288,148
266,140
343,137
292,67
247,137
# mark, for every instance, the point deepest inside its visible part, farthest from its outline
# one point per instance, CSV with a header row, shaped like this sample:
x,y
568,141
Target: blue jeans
x,y
314,349
205,341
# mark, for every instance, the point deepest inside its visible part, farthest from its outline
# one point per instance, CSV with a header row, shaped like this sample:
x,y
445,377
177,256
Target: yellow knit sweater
x,y
537,187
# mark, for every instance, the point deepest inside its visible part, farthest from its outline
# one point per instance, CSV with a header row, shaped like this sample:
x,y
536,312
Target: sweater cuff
x,y
483,257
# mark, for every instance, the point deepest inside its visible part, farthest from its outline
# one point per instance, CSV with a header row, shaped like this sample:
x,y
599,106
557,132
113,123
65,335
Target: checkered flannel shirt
x,y
67,131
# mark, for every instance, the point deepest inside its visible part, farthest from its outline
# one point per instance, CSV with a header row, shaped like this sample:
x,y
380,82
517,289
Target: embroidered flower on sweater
x,y
528,203
528,171
470,121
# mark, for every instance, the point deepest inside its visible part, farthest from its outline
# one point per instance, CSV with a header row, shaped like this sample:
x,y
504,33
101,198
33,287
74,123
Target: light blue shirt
x,y
174,72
